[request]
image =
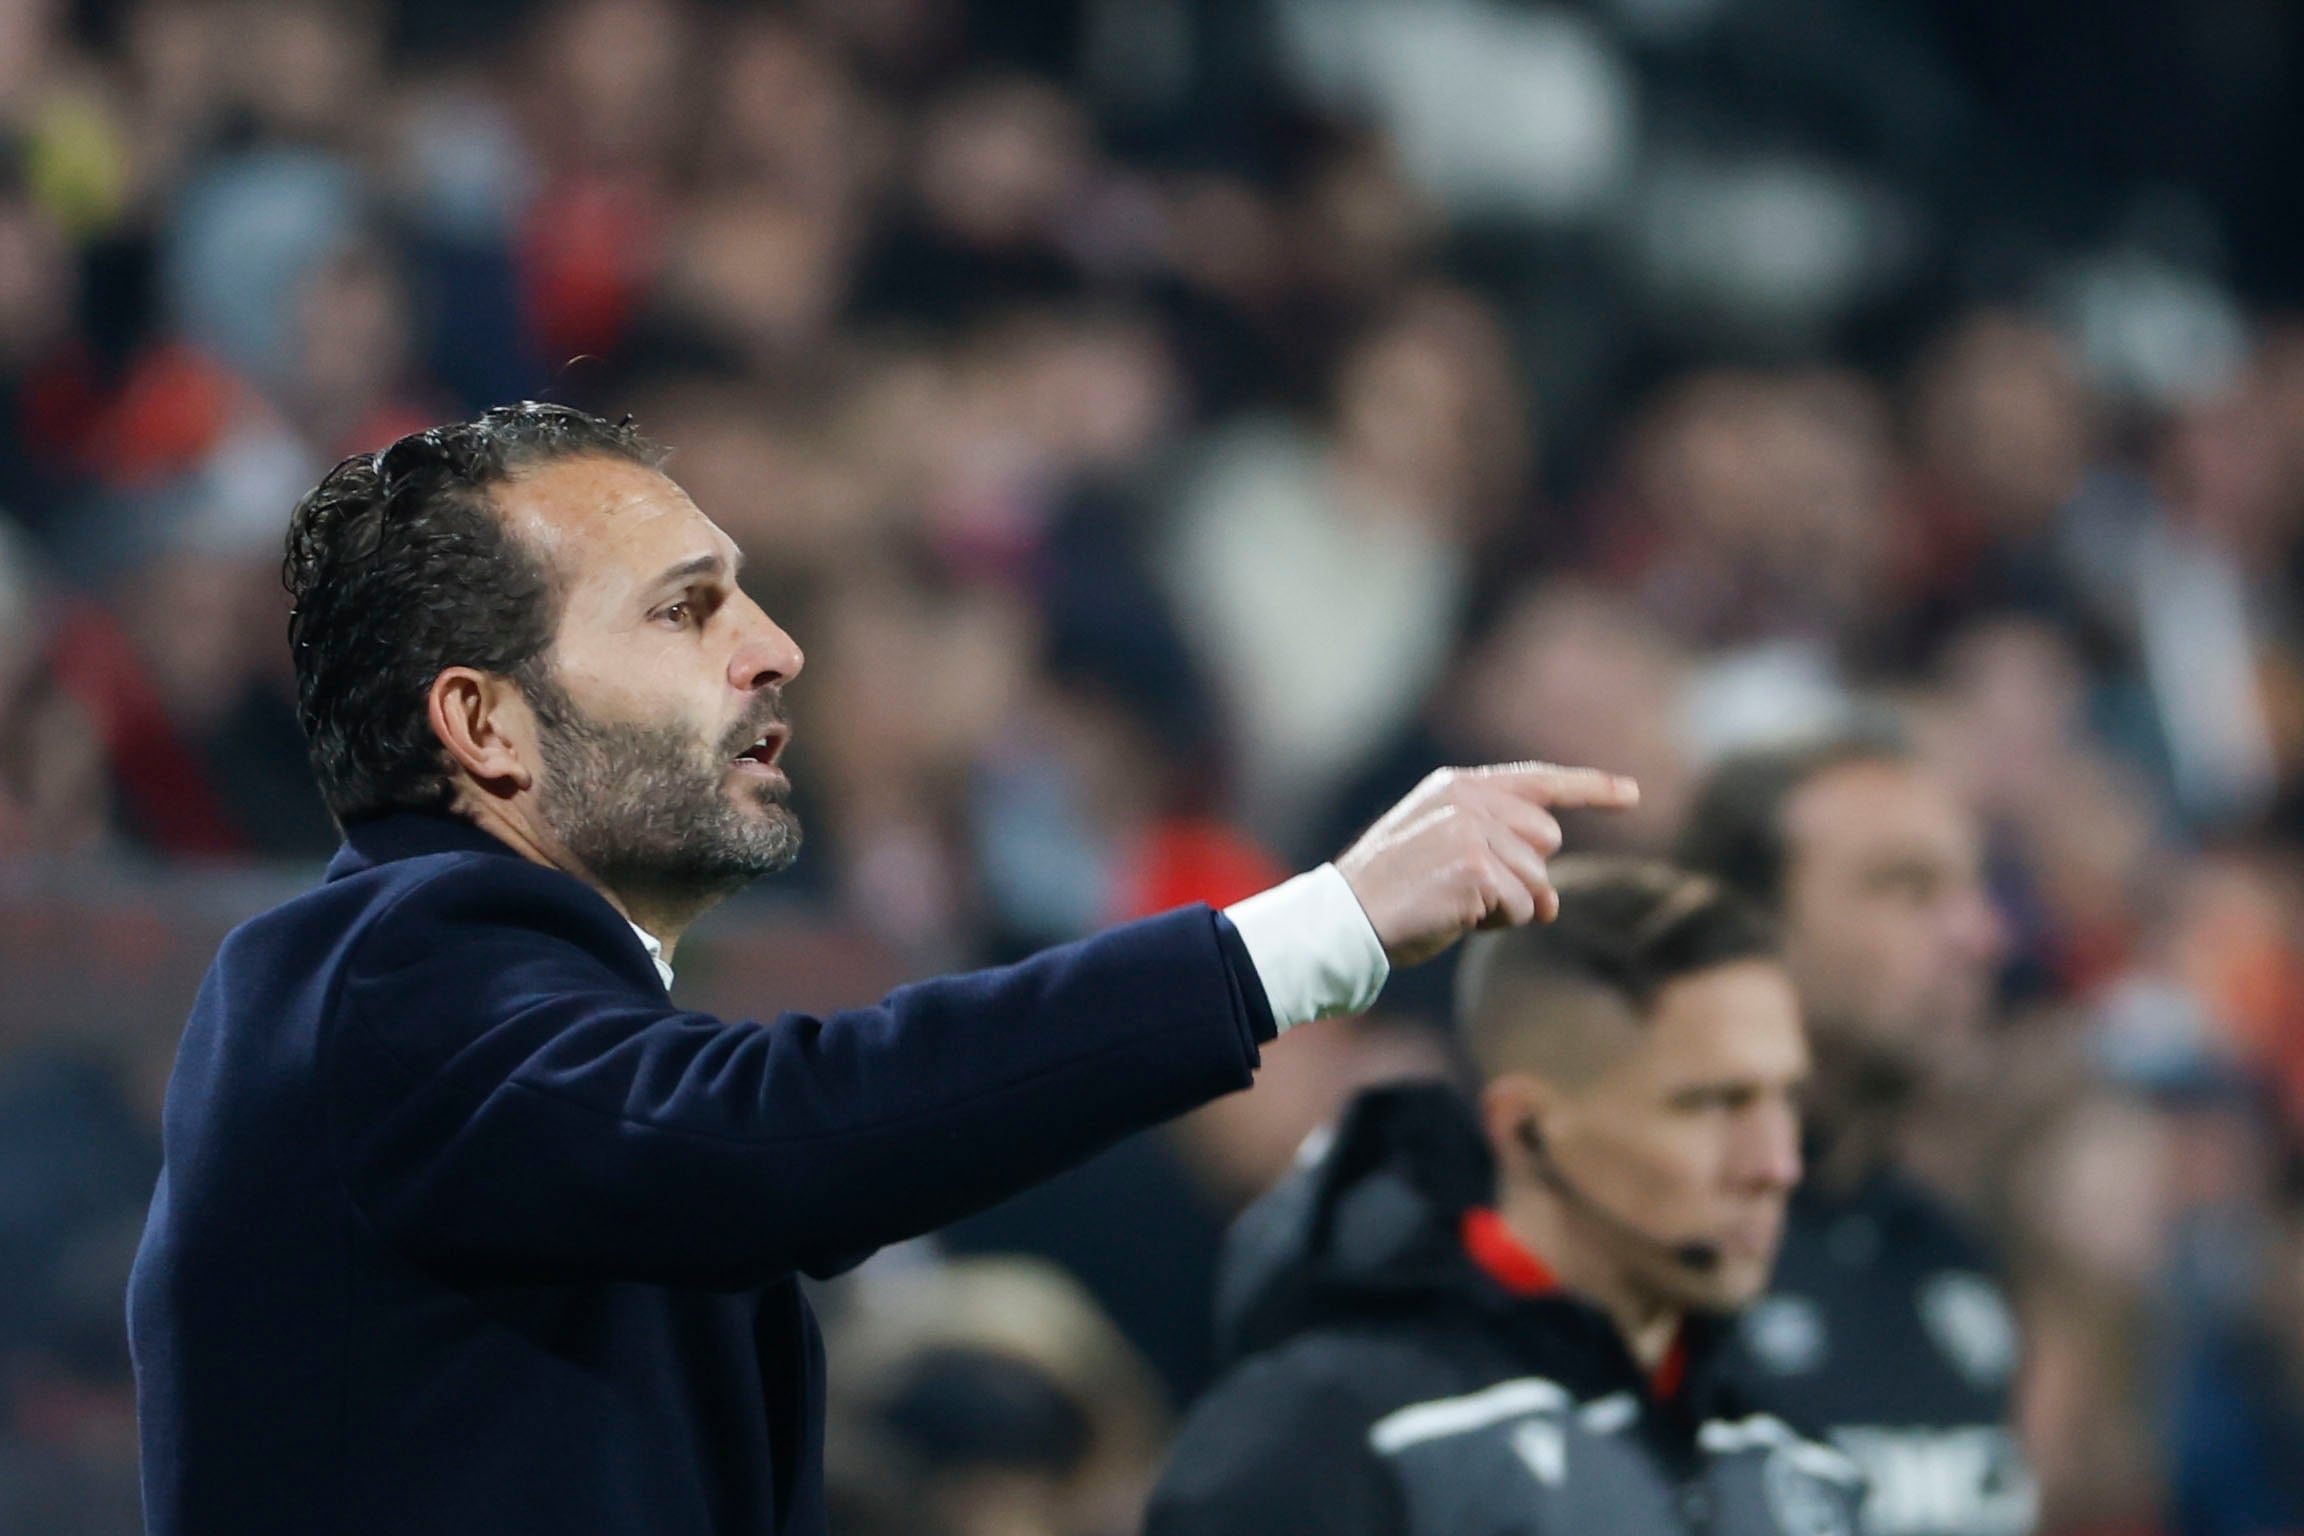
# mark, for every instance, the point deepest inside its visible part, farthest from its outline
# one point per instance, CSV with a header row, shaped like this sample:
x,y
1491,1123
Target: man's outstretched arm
x,y
510,1103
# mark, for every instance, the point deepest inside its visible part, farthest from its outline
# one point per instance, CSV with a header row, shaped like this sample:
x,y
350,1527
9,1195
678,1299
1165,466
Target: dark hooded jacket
x,y
1388,1382
1886,1331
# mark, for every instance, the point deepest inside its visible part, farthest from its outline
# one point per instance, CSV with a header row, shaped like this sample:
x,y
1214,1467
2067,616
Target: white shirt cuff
x,y
1314,949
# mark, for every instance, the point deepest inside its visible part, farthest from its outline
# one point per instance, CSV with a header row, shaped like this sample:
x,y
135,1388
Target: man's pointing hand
x,y
1466,849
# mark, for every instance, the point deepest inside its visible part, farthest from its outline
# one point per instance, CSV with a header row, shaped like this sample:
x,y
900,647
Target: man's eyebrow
x,y
702,565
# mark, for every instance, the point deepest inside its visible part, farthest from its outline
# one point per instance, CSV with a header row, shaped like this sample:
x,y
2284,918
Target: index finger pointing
x,y
1549,784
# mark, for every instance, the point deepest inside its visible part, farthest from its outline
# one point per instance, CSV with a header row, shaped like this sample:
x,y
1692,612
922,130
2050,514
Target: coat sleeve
x,y
508,1100
1276,1450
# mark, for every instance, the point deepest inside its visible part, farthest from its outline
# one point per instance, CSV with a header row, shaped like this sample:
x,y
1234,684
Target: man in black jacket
x,y
1885,1327
1508,1319
464,1226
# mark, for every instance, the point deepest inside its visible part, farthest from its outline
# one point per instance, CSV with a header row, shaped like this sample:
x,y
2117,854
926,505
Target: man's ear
x,y
484,722
1509,1106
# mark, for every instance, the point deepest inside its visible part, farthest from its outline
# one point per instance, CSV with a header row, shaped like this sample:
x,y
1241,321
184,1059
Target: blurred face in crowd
x,y
613,73
2003,418
653,744
1772,485
303,68
36,283
1427,409
997,160
1684,1125
1577,674
1888,929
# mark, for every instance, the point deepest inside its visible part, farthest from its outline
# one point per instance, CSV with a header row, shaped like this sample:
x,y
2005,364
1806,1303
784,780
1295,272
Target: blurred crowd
x,y
1172,427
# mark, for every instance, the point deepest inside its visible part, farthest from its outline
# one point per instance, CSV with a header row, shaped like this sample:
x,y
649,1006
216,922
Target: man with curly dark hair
x,y
465,1225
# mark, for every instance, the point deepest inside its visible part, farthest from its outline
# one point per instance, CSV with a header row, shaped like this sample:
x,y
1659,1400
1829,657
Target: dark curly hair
x,y
399,567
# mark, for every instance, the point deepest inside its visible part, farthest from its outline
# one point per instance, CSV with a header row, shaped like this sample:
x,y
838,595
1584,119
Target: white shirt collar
x,y
648,941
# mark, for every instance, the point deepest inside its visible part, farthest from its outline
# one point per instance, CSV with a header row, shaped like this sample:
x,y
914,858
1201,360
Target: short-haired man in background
x,y
1507,1318
1885,1328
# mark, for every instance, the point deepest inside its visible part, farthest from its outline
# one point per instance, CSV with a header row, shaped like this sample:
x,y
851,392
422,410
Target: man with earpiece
x,y
1504,1314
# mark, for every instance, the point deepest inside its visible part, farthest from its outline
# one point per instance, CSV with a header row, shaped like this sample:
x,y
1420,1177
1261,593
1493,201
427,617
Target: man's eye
x,y
1915,887
678,614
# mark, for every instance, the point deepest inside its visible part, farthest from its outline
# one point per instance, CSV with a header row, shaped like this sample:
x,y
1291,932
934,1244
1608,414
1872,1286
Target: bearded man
x,y
465,1226
1886,1327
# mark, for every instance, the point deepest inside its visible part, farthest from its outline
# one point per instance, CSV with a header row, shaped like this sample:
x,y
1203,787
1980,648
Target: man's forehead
x,y
1867,805
595,515
1746,1011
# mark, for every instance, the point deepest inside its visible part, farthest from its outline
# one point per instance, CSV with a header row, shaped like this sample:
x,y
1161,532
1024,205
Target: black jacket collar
x,y
1370,1232
409,835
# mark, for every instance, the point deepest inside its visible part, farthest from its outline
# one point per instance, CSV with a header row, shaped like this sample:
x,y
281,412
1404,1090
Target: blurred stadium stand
x,y
1171,426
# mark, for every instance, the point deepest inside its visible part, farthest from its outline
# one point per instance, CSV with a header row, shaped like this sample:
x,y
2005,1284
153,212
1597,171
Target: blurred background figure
x,y
1506,1309
1175,426
1888,1326
986,1397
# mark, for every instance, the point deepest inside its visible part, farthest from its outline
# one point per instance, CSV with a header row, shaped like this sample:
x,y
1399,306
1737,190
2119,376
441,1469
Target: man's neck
x,y
663,917
1565,1241
1857,1111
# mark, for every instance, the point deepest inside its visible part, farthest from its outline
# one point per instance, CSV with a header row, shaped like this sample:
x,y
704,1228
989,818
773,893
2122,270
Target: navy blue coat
x,y
466,1228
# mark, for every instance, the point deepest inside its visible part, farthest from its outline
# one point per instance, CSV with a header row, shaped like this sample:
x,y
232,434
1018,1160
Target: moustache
x,y
769,716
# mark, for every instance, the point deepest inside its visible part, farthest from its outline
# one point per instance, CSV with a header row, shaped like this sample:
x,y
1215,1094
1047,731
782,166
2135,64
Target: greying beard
x,y
647,813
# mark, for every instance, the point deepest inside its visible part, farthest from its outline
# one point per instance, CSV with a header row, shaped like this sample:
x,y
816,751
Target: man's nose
x,y
1977,931
1771,1148
765,656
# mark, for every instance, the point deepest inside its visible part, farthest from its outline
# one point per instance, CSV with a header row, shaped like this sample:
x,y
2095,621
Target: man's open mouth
x,y
765,750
